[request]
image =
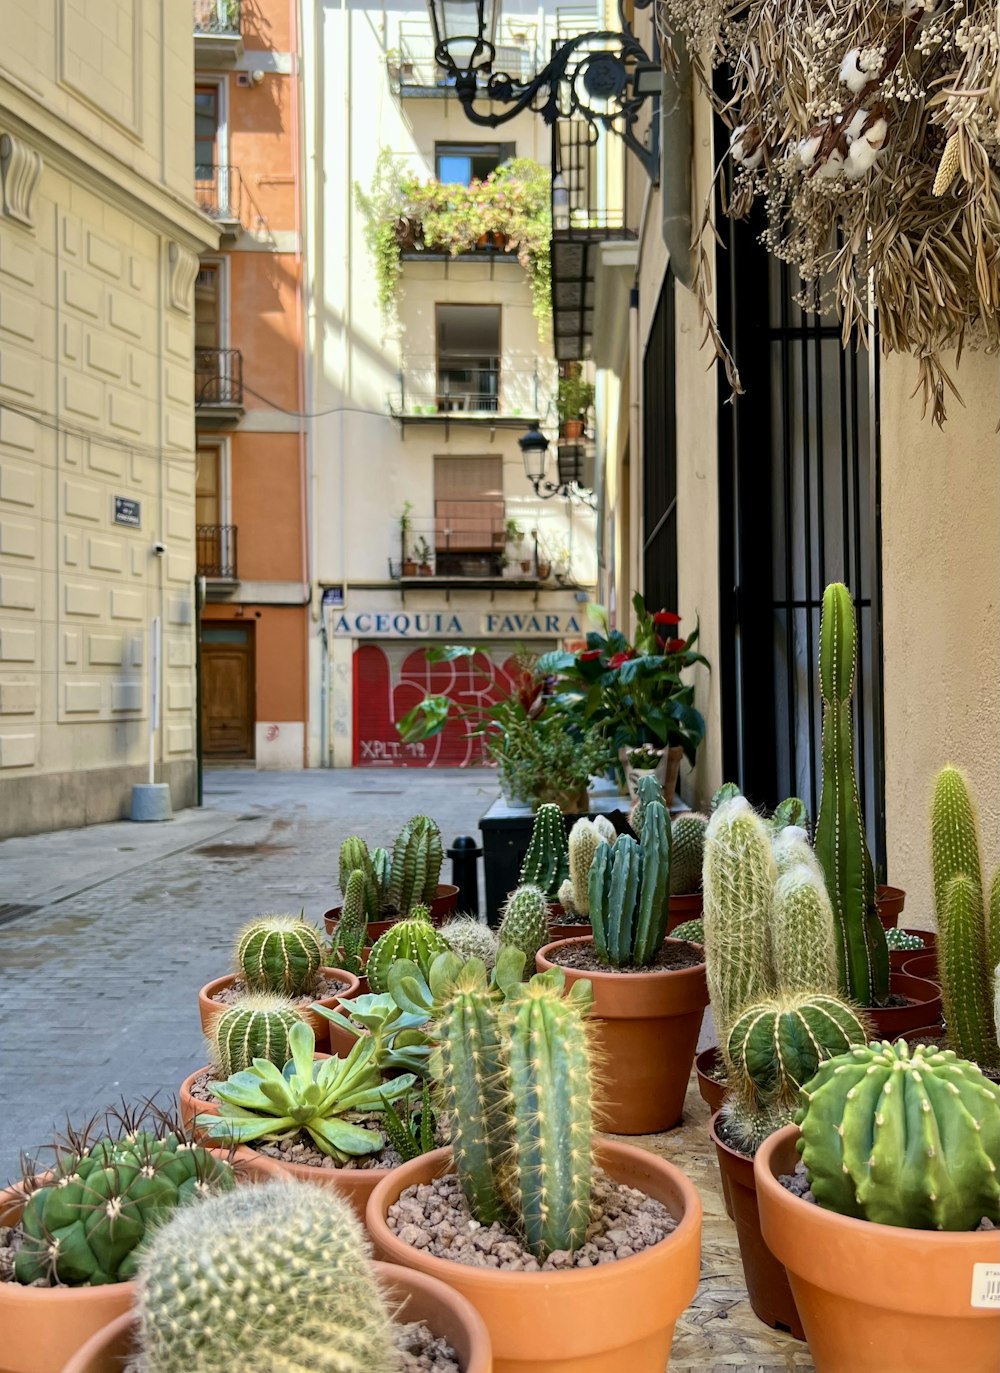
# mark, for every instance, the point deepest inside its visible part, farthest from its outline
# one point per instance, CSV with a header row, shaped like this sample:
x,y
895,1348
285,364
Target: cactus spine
x,y
417,856
354,856
414,938
687,853
280,954
468,937
272,1277
525,923
776,1046
903,1136
584,839
546,864
802,932
862,955
258,1026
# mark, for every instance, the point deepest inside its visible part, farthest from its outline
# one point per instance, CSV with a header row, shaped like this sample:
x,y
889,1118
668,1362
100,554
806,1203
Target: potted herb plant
x,y
423,555
574,398
523,1177
649,991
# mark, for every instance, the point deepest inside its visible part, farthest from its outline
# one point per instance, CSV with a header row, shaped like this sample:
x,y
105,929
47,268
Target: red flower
x,y
666,617
620,658
590,656
675,646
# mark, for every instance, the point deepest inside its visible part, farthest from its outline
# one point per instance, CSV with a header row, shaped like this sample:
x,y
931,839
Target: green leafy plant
x,y
574,398
399,1036
412,1132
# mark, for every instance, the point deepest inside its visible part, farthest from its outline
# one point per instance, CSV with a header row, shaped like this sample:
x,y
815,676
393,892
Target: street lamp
x,y
534,448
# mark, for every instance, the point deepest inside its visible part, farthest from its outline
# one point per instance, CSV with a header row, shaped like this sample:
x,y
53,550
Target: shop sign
x,y
431,624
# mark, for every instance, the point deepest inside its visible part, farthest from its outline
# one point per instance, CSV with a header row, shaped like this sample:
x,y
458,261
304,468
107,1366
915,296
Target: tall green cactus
x,y
354,856
281,954
382,869
993,925
546,863
352,928
687,852
417,856
652,914
954,835
802,932
841,846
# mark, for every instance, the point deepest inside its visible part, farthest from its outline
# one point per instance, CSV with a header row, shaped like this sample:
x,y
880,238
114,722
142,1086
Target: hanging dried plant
x,y
870,130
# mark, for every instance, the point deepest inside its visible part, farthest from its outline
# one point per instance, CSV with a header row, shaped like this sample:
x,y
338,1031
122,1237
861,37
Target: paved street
x,y
123,923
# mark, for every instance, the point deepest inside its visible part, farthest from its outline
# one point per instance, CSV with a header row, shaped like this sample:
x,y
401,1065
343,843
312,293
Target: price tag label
x,y
986,1285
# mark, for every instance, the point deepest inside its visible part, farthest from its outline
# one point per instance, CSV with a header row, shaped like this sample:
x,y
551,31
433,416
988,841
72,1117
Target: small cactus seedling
x,y
546,864
525,923
687,853
281,954
901,941
257,1026
414,938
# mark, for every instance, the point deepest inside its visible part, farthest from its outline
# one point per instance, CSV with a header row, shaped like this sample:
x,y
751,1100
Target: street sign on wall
x,y
489,623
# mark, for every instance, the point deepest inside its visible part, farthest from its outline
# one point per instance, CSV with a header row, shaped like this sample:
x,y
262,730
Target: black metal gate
x,y
799,484
659,457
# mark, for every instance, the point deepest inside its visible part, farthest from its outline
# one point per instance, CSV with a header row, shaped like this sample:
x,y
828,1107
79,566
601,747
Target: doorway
x,y
227,691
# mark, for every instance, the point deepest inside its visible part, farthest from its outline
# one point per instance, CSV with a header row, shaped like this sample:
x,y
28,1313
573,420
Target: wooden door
x,y
227,691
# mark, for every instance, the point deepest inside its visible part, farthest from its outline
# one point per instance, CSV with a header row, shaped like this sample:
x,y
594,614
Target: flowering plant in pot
x,y
516,1078
898,1177
648,1008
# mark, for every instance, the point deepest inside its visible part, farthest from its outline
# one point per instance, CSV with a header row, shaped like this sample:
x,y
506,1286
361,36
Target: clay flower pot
x,y
355,1185
767,1283
889,902
208,1008
876,1298
614,1318
710,1087
924,1007
898,958
442,905
666,772
646,1031
684,906
417,1297
922,965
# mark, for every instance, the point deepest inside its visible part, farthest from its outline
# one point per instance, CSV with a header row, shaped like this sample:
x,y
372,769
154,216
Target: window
x,y
468,358
659,447
206,132
464,162
468,515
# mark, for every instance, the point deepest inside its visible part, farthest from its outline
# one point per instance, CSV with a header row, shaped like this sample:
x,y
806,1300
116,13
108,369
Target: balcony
x,y
215,546
223,195
461,548
414,74
218,386
467,389
218,37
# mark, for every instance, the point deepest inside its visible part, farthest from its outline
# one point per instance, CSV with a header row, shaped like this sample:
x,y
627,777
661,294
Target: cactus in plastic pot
x,y
281,954
546,863
415,869
525,923
413,938
257,1026
274,1277
903,1136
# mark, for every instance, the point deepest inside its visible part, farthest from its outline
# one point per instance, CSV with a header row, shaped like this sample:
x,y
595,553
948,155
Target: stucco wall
x,y
941,611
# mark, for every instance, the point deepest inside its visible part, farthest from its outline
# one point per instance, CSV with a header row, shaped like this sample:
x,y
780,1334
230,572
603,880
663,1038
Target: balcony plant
x,y
408,564
573,401
423,553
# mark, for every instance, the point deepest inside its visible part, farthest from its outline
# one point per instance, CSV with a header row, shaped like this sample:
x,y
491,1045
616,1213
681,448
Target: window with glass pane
x,y
206,132
462,163
468,515
468,358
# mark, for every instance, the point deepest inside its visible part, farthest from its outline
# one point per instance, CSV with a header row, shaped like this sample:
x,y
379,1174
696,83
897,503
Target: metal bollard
x,y
465,854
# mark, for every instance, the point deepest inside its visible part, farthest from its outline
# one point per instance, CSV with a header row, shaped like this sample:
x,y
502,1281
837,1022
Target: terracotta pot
x,y
209,1008
687,906
571,429
417,1297
711,1089
889,902
876,1298
924,1006
666,772
922,1032
646,1026
898,958
615,1318
353,1184
441,907
922,965
766,1280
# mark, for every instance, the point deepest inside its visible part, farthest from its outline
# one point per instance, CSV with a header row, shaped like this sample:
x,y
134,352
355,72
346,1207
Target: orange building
x,y
252,526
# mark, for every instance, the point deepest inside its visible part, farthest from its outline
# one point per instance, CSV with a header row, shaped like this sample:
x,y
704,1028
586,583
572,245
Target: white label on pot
x,y
986,1285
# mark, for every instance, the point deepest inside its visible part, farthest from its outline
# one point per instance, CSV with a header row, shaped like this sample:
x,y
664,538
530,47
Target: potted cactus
x,y
885,1252
338,1314
516,1079
392,881
649,991
79,1228
571,916
279,955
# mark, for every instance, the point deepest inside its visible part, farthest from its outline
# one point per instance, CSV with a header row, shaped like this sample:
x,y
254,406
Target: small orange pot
x,y
208,1008
353,1184
711,1089
413,1295
889,902
766,1279
442,904
924,1009
646,1031
615,1318
687,906
898,958
876,1298
923,965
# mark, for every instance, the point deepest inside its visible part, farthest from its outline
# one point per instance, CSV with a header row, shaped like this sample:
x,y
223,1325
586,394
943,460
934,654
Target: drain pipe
x,y
677,153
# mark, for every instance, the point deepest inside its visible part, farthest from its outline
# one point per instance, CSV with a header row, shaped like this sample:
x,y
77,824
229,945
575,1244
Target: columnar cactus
x,y
584,838
802,932
954,834
687,852
841,846
546,864
727,792
993,925
352,929
414,938
281,954
415,868
903,1136
86,1226
629,887
354,856
776,1046
382,868
257,1026
525,923
469,938
792,848
273,1277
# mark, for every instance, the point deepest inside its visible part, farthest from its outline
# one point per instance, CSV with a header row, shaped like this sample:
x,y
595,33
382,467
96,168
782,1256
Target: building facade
x,y
99,244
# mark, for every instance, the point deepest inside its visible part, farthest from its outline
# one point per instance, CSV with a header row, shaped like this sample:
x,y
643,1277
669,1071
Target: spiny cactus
x,y
354,856
793,812
469,938
692,930
727,792
745,1124
903,1136
629,887
525,923
738,879
901,941
584,838
776,1046
417,856
382,868
841,846
802,932
954,834
687,852
85,1227
281,954
993,925
272,1277
352,928
546,864
792,848
257,1026
414,938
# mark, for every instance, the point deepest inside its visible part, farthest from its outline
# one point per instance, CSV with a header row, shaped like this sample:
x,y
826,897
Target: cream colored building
x,y
98,252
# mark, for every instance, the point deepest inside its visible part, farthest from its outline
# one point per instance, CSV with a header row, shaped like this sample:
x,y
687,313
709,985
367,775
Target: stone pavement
x,y
106,933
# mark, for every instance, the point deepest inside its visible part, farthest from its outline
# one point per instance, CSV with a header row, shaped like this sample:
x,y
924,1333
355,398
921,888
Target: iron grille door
x,y
659,457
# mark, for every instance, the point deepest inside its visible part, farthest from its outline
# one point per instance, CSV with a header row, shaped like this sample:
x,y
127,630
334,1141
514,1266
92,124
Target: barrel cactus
x,y
414,938
85,1227
525,923
415,869
469,938
281,954
257,1026
687,853
903,1136
274,1277
776,1046
546,863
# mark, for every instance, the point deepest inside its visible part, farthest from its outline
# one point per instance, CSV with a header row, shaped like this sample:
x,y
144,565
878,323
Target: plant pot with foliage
x,y
341,1312
574,400
72,1234
527,1184
887,1238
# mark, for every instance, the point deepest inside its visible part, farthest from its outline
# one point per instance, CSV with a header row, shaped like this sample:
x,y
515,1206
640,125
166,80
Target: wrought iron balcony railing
x,y
218,379
217,18
413,70
216,551
464,384
222,193
469,539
